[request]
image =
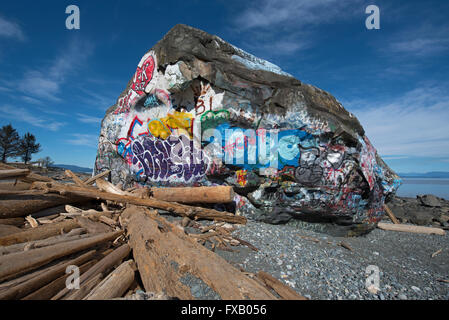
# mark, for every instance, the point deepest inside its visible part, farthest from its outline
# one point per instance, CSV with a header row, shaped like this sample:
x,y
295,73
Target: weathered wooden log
x,y
98,176
115,284
159,246
6,230
218,194
24,246
106,186
20,262
23,205
15,185
284,291
409,228
48,291
75,178
91,226
13,221
84,290
31,177
38,233
180,209
102,266
13,173
19,291
391,215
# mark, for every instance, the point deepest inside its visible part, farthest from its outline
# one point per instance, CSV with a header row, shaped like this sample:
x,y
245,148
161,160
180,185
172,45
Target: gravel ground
x,y
325,270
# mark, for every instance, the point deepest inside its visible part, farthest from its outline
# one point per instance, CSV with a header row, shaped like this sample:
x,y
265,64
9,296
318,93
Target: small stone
x,y
402,296
416,289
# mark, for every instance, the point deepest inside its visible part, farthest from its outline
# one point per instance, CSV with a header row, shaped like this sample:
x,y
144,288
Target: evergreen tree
x,y
9,142
28,146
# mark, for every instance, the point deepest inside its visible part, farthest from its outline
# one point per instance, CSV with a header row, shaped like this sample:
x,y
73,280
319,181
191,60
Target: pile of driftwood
x,y
119,242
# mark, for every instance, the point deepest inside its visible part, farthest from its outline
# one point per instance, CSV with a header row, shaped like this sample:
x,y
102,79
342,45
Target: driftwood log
x,y
102,266
48,291
13,206
39,233
284,291
13,221
13,173
20,262
24,246
115,284
218,194
180,209
19,291
98,176
164,254
409,228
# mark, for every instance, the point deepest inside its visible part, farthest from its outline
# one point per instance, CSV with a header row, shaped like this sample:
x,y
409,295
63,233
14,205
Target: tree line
x,y
12,145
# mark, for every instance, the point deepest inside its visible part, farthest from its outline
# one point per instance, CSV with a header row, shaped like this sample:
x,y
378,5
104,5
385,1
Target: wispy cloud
x,y
10,29
413,124
269,13
83,139
23,115
426,40
45,83
285,27
88,119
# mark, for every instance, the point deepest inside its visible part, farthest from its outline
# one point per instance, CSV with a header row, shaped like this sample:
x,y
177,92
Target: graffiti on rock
x,y
142,77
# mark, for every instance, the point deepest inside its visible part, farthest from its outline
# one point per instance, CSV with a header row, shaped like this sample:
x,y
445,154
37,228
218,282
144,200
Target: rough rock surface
x,y
199,111
419,211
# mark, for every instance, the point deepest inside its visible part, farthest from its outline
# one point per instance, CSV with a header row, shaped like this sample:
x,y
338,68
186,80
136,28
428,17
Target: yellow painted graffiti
x,y
163,128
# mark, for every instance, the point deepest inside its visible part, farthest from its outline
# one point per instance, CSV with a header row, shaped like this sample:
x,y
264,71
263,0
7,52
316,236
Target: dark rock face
x,y
429,200
424,210
199,111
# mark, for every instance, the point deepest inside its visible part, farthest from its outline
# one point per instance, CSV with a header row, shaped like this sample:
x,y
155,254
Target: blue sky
x,y
57,83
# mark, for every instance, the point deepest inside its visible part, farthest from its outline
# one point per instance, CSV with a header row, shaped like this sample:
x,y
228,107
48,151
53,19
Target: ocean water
x,y
413,186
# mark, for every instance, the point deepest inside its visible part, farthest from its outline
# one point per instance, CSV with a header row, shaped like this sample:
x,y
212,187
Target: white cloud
x,y
88,119
82,139
414,124
45,83
9,29
428,39
269,13
284,27
21,114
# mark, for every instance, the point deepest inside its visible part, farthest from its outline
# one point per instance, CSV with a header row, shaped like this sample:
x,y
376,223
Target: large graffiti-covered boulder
x,y
199,111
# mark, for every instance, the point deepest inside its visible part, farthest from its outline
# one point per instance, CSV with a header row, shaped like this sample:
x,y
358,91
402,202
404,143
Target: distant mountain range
x,y
433,174
73,168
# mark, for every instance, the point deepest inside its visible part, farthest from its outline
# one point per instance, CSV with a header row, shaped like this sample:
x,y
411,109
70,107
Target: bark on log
x,y
85,289
21,290
6,230
284,291
164,254
48,291
16,185
38,233
23,205
180,209
115,284
409,228
102,266
91,226
20,262
13,173
41,243
219,194
13,221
